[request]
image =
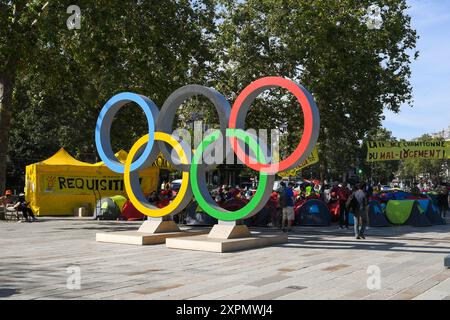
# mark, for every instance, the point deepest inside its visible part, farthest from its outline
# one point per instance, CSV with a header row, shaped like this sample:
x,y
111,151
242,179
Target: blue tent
x,y
314,213
434,198
401,195
376,215
431,212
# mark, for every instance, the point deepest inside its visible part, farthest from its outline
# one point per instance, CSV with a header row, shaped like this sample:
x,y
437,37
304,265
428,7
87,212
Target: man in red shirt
x,y
6,199
343,194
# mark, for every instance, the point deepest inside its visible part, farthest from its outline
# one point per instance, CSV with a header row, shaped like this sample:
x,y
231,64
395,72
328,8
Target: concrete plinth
x,y
447,261
150,232
229,231
228,238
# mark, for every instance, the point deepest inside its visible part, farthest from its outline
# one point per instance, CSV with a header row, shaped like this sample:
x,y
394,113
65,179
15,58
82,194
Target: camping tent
x,y
196,216
387,196
398,211
61,183
314,213
434,197
406,212
107,209
119,201
267,214
376,215
334,207
264,216
401,195
431,212
129,212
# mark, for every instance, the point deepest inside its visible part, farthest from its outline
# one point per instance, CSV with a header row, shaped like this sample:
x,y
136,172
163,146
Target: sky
x,y
430,77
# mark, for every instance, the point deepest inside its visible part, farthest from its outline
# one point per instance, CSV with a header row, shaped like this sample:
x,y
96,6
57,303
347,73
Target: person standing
x,y
443,200
343,194
280,204
358,203
288,208
334,193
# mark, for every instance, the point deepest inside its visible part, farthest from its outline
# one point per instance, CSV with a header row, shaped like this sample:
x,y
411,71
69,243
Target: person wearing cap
x,y
20,205
6,200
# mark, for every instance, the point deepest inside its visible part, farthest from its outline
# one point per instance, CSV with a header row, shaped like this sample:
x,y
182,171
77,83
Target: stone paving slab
x,y
37,262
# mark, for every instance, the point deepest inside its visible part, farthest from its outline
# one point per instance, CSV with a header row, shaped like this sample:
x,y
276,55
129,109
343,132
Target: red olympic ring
x,y
310,132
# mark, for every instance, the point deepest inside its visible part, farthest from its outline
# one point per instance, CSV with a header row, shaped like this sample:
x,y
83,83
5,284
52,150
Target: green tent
x,y
398,211
119,201
406,212
107,209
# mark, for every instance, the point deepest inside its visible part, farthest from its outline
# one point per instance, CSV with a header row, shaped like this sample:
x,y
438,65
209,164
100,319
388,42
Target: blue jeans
x,y
343,215
360,222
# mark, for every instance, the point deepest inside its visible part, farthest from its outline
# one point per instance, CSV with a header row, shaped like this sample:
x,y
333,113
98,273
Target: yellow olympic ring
x,y
141,204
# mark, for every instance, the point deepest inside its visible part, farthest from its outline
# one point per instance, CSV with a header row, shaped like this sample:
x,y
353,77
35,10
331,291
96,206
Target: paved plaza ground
x,y
318,263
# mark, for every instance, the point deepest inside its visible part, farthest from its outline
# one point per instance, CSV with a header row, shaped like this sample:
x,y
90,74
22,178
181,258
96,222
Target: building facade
x,y
442,134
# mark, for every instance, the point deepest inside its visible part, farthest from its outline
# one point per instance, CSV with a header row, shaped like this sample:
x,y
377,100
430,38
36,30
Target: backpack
x,y
352,203
283,200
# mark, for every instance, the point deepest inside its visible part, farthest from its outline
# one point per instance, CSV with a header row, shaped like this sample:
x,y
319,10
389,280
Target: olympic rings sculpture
x,y
232,124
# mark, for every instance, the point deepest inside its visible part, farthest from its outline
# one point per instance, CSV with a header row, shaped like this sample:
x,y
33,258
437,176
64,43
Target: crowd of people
x,y
348,198
284,199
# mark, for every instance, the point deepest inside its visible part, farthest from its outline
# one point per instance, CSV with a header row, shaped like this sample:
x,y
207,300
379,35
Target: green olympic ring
x,y
201,192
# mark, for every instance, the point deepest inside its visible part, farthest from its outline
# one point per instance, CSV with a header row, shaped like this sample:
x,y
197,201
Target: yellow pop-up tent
x,y
61,183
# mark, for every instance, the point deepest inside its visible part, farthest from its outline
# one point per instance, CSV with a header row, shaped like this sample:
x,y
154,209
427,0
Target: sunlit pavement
x,y
59,259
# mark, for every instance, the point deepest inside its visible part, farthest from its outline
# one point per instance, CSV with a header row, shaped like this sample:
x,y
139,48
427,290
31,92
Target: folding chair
x,y
2,213
13,215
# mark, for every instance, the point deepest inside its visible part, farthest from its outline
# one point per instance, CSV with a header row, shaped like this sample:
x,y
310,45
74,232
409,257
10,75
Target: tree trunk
x,y
6,86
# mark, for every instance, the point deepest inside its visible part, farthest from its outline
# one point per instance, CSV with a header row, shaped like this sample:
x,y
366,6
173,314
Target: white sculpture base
x,y
228,238
151,232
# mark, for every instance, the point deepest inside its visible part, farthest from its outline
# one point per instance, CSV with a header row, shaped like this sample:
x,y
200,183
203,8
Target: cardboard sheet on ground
x,y
56,186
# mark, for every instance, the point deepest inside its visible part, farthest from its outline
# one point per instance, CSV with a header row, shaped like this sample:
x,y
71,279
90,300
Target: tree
x,y
147,47
18,39
58,79
353,71
433,169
